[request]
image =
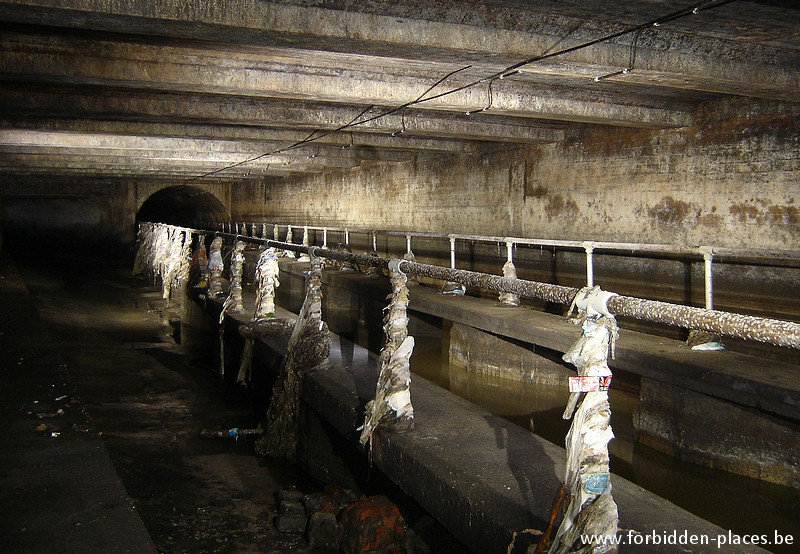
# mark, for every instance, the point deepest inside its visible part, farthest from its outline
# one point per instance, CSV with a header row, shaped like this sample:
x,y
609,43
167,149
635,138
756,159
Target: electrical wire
x,y
513,69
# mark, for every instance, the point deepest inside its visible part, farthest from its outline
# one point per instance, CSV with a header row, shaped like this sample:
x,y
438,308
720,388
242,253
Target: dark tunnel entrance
x,y
182,205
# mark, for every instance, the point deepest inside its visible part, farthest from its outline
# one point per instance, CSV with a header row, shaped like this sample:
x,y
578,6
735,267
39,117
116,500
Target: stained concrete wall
x,y
90,212
709,431
476,351
80,213
730,181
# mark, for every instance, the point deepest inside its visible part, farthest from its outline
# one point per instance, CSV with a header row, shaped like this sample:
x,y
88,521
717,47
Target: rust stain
x,y
669,211
618,142
783,215
744,212
557,205
774,215
537,192
710,220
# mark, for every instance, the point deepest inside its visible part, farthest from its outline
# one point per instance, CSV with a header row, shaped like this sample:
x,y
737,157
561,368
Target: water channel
x,y
739,504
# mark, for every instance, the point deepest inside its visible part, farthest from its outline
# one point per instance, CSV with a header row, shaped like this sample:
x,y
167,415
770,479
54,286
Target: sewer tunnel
x,y
182,205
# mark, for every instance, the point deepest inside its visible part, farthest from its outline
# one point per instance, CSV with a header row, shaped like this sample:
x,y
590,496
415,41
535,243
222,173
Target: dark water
x,y
739,504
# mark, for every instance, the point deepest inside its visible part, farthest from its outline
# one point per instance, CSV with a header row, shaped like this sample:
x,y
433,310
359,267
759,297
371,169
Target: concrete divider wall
x,y
711,393
489,481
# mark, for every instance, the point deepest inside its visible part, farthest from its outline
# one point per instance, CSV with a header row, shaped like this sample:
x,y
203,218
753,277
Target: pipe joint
x,y
394,265
594,301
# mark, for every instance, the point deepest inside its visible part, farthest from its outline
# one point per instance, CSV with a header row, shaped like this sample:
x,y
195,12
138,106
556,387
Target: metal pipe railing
x,y
607,246
767,330
706,252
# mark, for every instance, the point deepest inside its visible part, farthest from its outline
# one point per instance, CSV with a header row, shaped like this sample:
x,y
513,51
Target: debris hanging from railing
x,y
510,272
233,303
391,406
144,254
215,268
591,511
177,267
263,323
164,252
309,347
198,269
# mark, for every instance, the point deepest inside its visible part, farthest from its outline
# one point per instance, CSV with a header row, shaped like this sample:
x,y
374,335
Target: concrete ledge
x,y
770,386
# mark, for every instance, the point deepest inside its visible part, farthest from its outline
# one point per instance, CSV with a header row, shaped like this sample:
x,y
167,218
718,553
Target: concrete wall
x,y
94,212
731,181
86,213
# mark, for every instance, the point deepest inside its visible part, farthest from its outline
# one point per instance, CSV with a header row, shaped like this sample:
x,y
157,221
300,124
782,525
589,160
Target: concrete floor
x,y
131,398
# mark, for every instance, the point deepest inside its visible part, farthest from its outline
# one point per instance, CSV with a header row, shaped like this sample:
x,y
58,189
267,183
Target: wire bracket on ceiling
x,y
351,142
631,58
490,95
402,123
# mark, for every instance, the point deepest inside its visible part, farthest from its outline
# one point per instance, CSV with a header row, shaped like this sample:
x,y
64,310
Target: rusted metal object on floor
x,y
373,525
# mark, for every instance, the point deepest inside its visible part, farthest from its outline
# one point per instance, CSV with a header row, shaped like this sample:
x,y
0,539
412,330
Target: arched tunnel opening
x,y
182,205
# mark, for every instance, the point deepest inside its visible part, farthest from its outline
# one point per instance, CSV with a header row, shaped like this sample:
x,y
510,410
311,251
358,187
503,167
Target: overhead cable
x,y
513,69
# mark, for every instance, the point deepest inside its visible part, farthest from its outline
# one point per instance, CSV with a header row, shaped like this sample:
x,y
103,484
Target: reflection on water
x,y
740,504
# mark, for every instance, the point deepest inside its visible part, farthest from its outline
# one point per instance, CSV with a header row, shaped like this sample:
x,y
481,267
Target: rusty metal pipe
x,y
771,331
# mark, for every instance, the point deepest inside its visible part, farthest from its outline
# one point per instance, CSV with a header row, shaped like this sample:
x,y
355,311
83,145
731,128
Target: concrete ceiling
x,y
221,89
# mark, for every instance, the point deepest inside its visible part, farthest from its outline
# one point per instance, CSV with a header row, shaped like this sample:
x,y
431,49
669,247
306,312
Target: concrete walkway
x,y
59,490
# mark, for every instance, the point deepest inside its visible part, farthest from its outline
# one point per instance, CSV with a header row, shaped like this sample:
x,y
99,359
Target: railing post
x,y
451,287
702,340
304,257
589,247
708,257
507,298
409,257
289,253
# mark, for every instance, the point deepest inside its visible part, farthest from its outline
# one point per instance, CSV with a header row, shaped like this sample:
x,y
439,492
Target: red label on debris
x,y
593,383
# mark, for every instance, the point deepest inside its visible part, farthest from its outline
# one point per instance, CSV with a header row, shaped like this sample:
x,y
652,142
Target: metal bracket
x,y
394,265
594,301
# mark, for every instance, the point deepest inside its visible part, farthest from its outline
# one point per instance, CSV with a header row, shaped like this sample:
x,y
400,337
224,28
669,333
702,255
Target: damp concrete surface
x,y
126,383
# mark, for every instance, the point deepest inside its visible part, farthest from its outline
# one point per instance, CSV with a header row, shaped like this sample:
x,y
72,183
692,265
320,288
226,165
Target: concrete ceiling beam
x,y
191,161
703,48
116,171
156,147
269,139
22,177
143,66
270,113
